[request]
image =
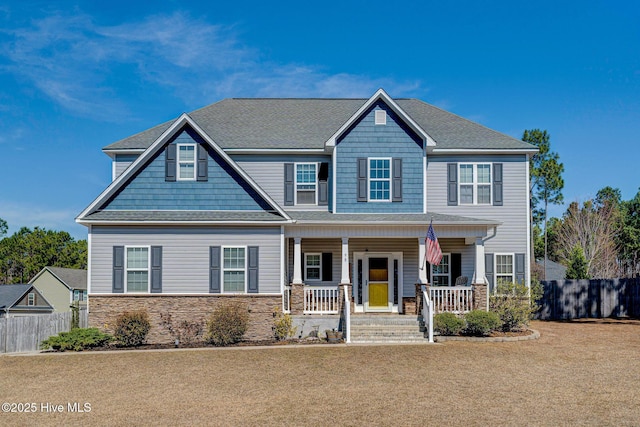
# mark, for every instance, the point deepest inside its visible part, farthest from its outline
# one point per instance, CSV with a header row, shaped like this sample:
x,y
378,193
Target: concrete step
x,y
386,328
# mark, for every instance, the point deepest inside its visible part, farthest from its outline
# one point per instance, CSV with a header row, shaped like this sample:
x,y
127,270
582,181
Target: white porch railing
x,y
286,299
454,299
347,315
427,312
321,300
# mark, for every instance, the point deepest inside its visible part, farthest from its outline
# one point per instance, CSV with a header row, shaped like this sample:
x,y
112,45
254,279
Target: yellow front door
x,y
378,282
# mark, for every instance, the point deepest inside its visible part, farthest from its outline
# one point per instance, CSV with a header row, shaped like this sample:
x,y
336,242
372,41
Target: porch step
x,y
385,329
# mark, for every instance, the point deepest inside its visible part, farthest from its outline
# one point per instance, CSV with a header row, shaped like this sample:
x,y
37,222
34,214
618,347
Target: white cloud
x,y
80,64
20,215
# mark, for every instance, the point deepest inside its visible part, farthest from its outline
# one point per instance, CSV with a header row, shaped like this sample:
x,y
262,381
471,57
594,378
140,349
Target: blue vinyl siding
x,y
393,140
224,190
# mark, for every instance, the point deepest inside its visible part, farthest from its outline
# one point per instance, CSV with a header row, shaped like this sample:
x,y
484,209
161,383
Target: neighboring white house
x,y
280,202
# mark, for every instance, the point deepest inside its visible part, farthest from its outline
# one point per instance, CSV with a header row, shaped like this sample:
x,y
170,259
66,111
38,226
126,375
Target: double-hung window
x,y
312,266
234,268
137,269
504,268
186,162
31,299
380,179
441,273
306,183
475,183
79,295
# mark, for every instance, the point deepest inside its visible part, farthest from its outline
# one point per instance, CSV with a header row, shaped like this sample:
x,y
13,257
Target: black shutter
x,y
520,268
362,180
428,267
203,163
323,185
156,269
288,184
170,163
117,286
452,184
214,269
252,282
397,180
488,270
456,267
497,184
327,267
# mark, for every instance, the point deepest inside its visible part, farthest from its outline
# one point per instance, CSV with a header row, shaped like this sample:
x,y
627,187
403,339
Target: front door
x,y
378,284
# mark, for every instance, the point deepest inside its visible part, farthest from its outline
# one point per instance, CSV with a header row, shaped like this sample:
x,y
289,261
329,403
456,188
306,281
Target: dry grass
x,y
577,373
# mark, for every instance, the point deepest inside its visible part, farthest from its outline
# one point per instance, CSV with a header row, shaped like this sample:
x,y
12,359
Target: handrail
x,y
455,299
347,315
286,299
321,300
427,309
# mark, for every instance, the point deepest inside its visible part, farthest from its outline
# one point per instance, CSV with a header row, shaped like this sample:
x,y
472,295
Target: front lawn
x,y
577,373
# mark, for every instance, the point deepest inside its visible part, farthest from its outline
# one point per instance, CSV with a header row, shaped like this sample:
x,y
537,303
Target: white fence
x,y
18,334
321,300
455,299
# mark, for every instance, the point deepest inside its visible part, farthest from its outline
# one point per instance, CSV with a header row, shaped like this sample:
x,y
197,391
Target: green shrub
x,y
227,324
77,339
283,325
132,327
447,324
480,322
512,304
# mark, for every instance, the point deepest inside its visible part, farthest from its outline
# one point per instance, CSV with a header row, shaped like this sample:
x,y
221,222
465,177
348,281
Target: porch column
x,y
422,264
345,279
480,272
297,261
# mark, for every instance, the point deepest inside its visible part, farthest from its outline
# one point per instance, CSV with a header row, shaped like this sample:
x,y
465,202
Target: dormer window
x,y
186,162
381,117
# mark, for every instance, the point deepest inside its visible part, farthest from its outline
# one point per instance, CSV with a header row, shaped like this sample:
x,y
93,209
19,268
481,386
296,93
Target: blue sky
x,y
77,76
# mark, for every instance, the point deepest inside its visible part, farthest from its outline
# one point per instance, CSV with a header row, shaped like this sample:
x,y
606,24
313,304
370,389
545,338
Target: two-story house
x,y
278,202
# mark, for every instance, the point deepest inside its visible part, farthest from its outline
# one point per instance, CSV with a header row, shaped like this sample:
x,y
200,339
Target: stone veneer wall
x,y
103,310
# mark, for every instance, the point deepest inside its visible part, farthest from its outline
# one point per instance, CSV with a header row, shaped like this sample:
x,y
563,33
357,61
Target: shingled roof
x,y
281,123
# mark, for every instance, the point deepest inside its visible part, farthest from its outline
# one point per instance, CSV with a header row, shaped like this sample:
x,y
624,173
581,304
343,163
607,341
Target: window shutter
x,y
288,184
327,267
252,282
488,270
456,267
497,184
397,180
203,164
117,286
452,184
170,163
214,269
520,268
362,179
428,267
156,269
323,186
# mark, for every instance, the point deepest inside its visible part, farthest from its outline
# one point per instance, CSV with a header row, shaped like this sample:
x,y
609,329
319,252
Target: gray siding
x,y
511,236
122,162
185,264
268,172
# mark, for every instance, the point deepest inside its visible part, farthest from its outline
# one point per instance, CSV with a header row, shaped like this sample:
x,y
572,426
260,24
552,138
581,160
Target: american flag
x,y
434,253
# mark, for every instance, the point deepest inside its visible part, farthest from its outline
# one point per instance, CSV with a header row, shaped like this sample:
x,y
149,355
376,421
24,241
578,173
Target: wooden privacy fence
x,y
576,299
18,334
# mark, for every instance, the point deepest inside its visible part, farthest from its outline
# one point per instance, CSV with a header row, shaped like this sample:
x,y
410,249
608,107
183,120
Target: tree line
x,y
27,251
597,238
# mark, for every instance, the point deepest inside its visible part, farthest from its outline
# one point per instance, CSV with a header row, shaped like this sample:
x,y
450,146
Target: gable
x,y
224,188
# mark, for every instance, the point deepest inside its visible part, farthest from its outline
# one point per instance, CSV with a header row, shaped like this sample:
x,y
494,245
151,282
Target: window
x,y
381,117
475,184
234,270
79,295
380,179
187,162
504,268
31,299
312,266
137,269
306,183
441,273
